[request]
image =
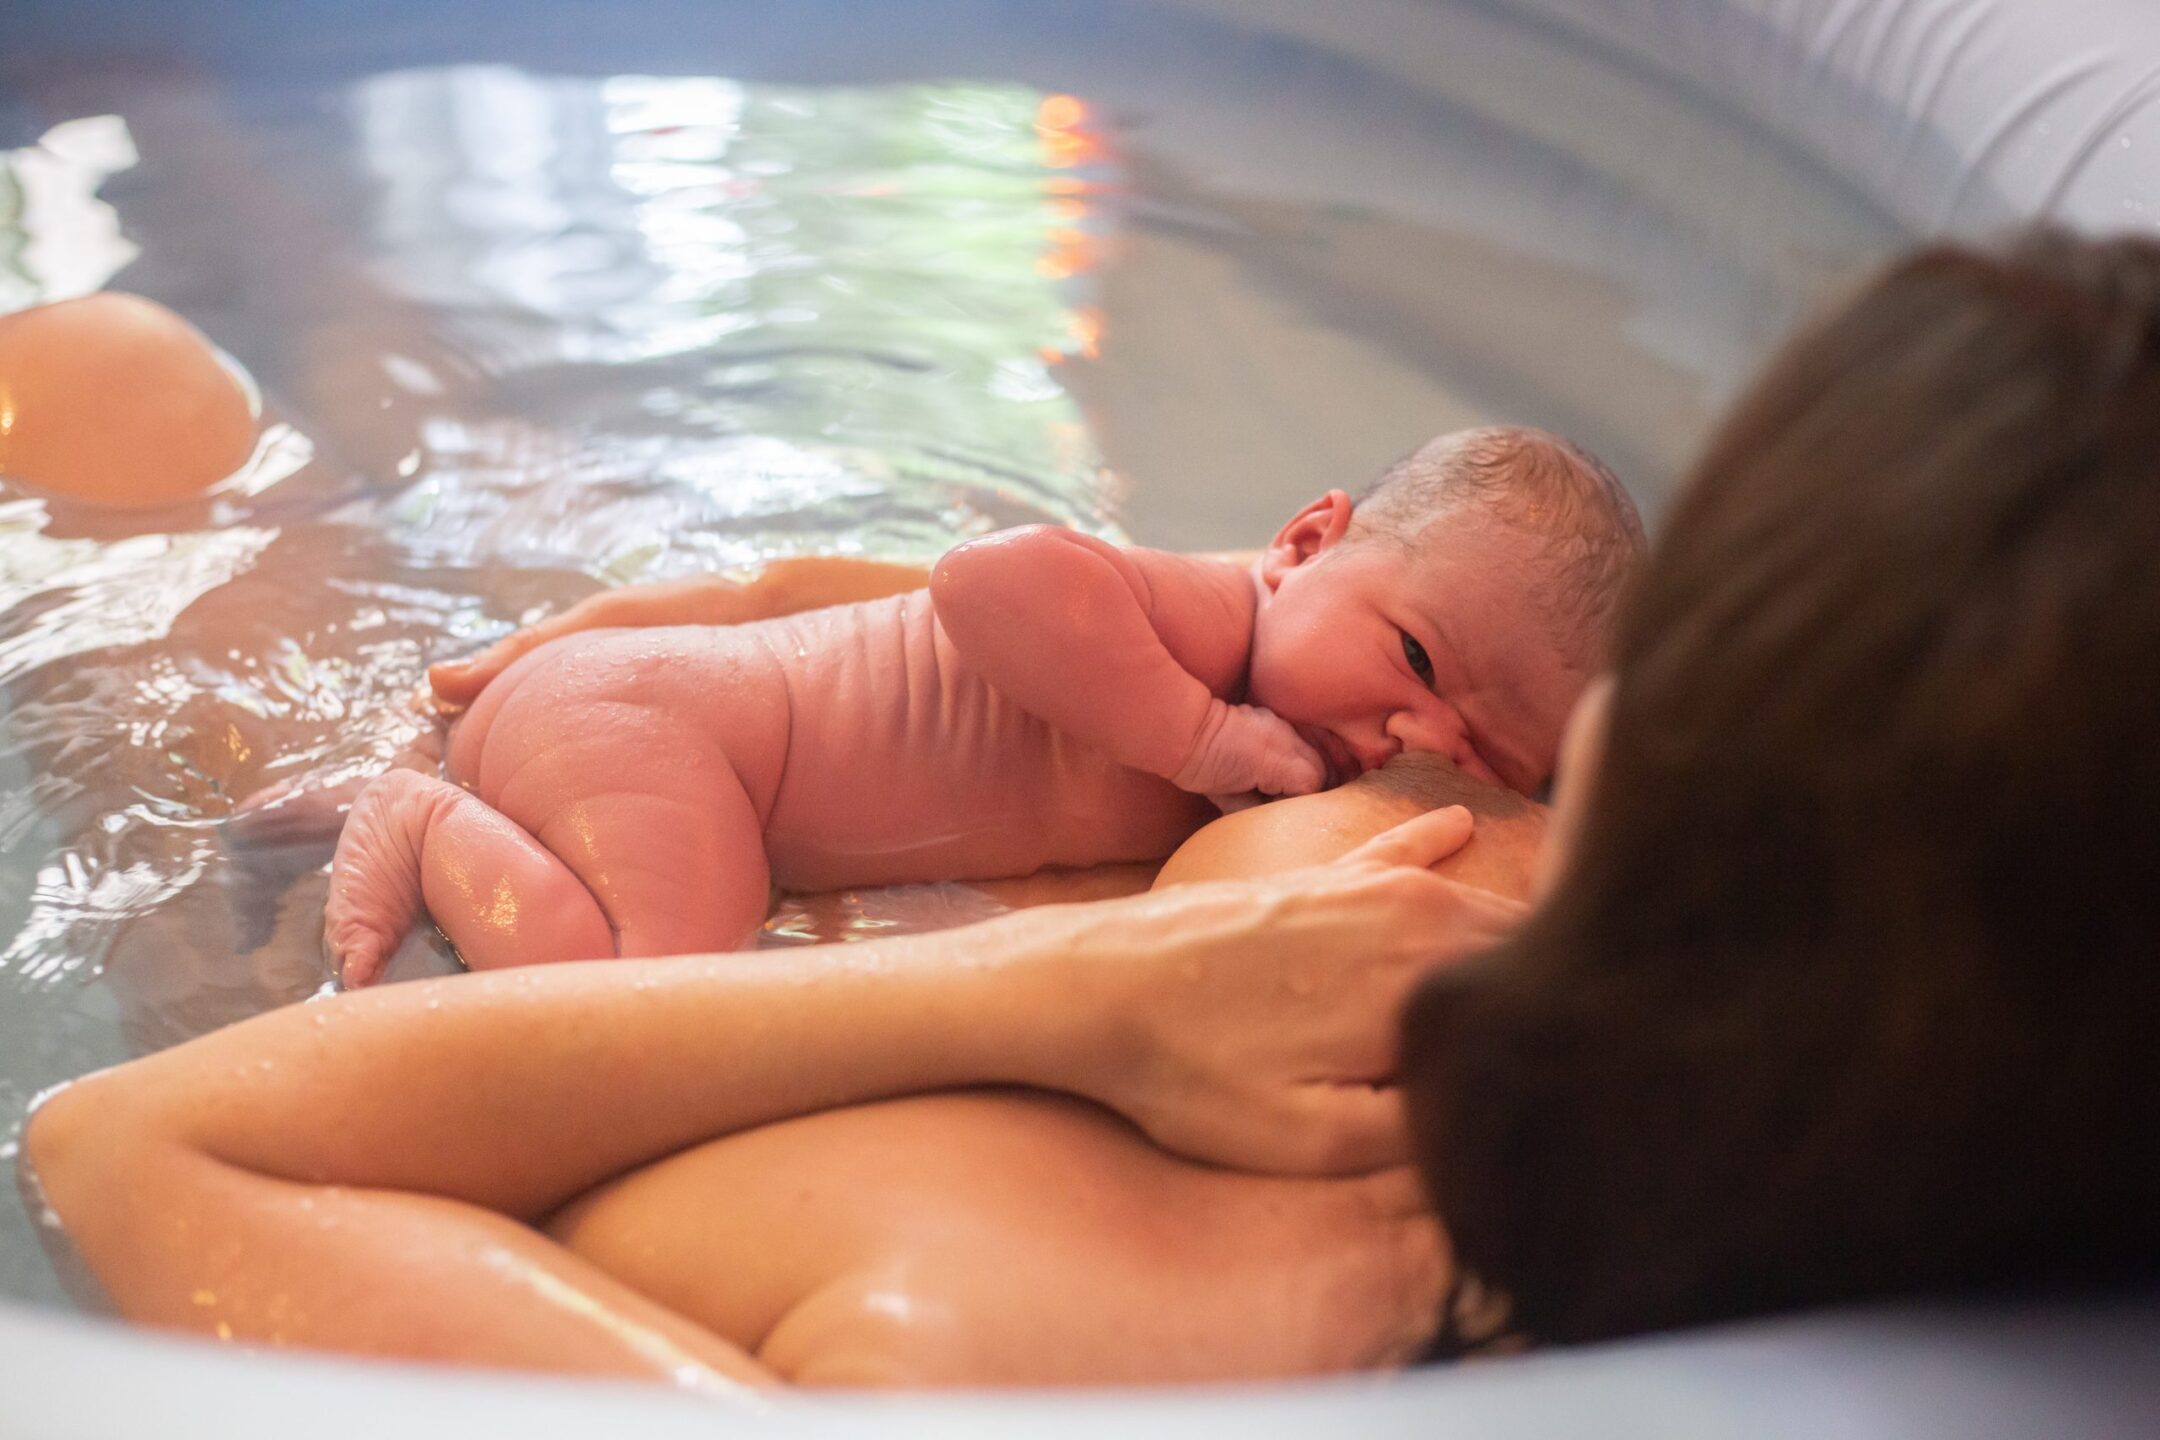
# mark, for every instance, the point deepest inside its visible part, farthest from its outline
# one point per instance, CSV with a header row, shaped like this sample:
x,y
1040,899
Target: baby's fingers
x,y
1299,772
1293,767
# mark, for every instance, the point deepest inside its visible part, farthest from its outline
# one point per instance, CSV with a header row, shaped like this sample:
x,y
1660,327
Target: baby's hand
x,y
1242,748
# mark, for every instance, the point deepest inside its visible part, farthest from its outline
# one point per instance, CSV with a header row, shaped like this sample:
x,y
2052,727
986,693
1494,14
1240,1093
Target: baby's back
x,y
871,752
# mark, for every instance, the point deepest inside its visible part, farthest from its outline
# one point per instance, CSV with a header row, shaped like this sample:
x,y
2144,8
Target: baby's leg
x,y
677,865
417,844
676,859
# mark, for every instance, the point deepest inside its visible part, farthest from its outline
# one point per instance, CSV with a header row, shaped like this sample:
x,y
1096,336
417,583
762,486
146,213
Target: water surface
x,y
524,331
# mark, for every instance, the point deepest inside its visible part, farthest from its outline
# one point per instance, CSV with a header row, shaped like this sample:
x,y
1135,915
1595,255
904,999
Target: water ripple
x,y
566,332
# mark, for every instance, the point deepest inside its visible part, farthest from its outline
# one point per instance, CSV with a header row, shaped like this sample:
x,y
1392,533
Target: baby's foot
x,y
375,886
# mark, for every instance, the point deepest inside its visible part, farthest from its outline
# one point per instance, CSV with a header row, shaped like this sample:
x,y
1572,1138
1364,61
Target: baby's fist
x,y
1243,747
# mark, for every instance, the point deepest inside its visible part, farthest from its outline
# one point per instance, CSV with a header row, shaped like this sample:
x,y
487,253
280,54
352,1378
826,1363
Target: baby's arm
x,y
1133,651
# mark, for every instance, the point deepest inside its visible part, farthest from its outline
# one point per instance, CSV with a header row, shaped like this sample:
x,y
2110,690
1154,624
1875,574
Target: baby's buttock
x,y
625,710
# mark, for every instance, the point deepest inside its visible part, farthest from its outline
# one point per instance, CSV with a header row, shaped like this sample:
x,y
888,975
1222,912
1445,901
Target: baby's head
x,y
1459,608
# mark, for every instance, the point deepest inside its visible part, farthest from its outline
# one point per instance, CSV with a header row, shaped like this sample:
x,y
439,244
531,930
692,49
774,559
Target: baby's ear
x,y
1312,530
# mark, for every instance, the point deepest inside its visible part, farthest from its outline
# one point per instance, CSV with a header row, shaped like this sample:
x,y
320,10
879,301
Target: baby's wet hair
x,y
1542,486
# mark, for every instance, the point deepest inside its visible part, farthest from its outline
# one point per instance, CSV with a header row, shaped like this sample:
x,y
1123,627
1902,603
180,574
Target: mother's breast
x,y
1502,854
1012,1238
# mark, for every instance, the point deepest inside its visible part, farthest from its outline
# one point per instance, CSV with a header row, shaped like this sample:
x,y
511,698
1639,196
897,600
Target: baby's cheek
x,y
1290,696
1452,739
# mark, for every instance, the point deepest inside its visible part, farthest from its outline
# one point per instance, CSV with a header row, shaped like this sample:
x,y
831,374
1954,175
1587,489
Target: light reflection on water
x,y
576,332
57,238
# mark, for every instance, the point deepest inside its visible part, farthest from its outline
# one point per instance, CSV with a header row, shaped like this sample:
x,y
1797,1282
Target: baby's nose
x,y
1411,730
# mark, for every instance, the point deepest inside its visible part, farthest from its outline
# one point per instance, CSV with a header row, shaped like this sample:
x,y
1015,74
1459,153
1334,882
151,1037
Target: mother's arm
x,y
363,1173
777,587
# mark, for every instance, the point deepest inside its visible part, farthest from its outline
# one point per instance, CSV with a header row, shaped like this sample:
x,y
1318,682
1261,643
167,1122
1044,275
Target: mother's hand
x,y
1254,1023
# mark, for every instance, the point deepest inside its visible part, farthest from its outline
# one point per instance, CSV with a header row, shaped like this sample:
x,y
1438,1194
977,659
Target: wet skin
x,y
1053,700
698,1171
1015,1238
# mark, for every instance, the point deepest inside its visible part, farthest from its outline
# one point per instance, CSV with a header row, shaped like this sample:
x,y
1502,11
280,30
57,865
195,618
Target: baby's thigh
x,y
646,787
676,860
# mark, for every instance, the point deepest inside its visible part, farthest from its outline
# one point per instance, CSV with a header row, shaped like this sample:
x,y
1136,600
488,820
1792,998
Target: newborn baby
x,y
1050,700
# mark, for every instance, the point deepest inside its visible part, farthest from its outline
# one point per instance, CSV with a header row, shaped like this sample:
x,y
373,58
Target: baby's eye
x,y
1415,654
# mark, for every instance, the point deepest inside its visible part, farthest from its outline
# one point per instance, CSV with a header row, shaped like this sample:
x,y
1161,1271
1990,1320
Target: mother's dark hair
x,y
1850,985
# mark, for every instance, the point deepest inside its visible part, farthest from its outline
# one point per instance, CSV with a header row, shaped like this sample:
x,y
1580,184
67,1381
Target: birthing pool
x,y
602,293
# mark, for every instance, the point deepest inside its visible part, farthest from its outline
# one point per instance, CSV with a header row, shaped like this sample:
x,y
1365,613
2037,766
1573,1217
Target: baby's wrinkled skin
x,y
1052,700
